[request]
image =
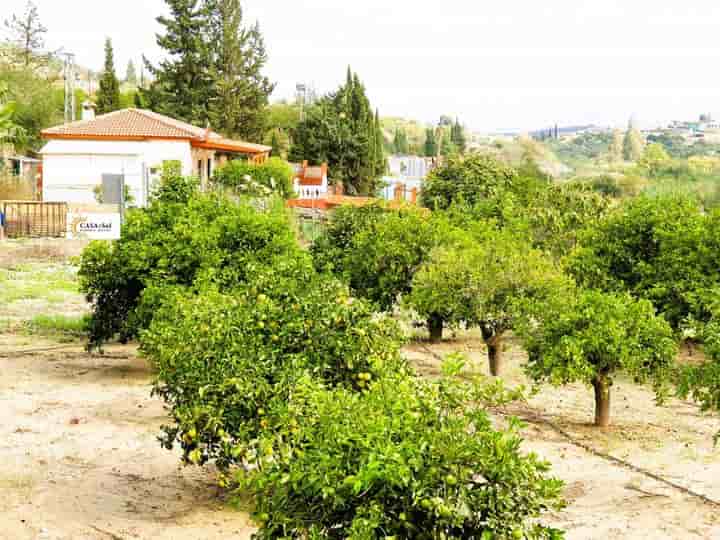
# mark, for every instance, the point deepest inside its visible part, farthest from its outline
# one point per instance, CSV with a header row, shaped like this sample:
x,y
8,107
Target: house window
x,y
209,168
200,167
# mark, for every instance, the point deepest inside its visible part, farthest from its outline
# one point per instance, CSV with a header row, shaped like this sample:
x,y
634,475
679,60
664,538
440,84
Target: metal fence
x,y
34,219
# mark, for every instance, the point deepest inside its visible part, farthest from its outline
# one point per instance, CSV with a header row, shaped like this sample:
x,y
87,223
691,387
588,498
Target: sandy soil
x,y
606,499
79,458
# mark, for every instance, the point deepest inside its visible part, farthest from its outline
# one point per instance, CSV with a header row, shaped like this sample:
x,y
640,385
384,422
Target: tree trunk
x,y
601,384
495,355
493,341
435,327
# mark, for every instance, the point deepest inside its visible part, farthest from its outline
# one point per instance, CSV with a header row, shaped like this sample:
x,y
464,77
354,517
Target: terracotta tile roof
x,y
310,176
140,124
333,201
215,141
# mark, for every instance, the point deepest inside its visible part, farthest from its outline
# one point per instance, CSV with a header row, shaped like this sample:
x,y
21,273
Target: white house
x,y
310,182
134,143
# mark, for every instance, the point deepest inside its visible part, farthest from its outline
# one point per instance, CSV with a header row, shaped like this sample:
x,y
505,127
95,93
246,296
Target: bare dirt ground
x,y
79,458
610,489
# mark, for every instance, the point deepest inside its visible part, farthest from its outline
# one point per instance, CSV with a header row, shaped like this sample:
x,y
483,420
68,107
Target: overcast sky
x,y
513,64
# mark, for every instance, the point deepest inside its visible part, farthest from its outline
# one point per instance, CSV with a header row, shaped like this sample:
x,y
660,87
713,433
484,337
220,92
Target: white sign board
x,y
93,226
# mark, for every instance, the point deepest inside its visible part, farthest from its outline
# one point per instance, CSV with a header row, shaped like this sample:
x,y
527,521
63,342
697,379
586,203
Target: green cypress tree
x,y
431,148
381,162
108,95
275,144
131,74
458,137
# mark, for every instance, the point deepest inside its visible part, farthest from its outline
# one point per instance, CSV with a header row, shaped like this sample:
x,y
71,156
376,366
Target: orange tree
x,y
663,249
594,336
182,238
484,282
377,250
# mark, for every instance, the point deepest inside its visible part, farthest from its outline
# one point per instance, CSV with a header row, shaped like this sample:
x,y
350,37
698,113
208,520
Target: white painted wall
x,y
73,168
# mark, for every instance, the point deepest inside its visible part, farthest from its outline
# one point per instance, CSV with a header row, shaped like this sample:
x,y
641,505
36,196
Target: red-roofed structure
x,y
134,143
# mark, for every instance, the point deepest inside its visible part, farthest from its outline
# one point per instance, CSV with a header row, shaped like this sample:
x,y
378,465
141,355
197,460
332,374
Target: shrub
x,y
376,249
225,362
331,247
384,257
659,248
173,186
467,180
484,282
595,336
405,458
246,178
175,244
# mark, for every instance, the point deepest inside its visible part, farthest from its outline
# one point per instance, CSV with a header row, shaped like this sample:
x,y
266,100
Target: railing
x,y
34,219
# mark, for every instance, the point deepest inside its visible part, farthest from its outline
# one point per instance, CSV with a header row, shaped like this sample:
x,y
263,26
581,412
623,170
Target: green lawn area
x,y
43,293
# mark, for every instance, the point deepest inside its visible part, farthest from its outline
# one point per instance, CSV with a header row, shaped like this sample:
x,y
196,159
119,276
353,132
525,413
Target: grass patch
x,y
58,326
37,282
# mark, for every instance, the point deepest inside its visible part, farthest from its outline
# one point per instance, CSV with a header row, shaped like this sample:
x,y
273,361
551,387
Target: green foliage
x,y
213,70
332,246
173,186
557,213
37,105
238,104
594,336
108,95
246,178
632,145
485,281
457,136
58,326
298,391
342,130
243,353
400,142
405,459
431,146
654,158
585,147
659,248
467,180
376,250
10,132
203,239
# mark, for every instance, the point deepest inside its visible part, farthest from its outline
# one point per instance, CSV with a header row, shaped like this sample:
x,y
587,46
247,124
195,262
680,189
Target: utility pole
x,y
69,74
301,91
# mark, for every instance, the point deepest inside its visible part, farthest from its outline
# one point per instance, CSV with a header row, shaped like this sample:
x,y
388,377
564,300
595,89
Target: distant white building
x,y
414,167
407,174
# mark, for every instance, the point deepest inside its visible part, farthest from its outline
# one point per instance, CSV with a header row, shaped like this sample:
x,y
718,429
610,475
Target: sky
x,y
515,64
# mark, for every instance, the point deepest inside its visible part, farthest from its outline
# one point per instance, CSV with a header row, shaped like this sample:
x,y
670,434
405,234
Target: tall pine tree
x,y
108,95
238,107
182,86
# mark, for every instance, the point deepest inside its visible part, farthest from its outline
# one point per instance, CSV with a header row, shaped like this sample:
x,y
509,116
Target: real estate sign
x,y
94,226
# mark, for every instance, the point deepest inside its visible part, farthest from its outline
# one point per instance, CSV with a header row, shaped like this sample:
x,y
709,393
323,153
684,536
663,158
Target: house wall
x,y
73,168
